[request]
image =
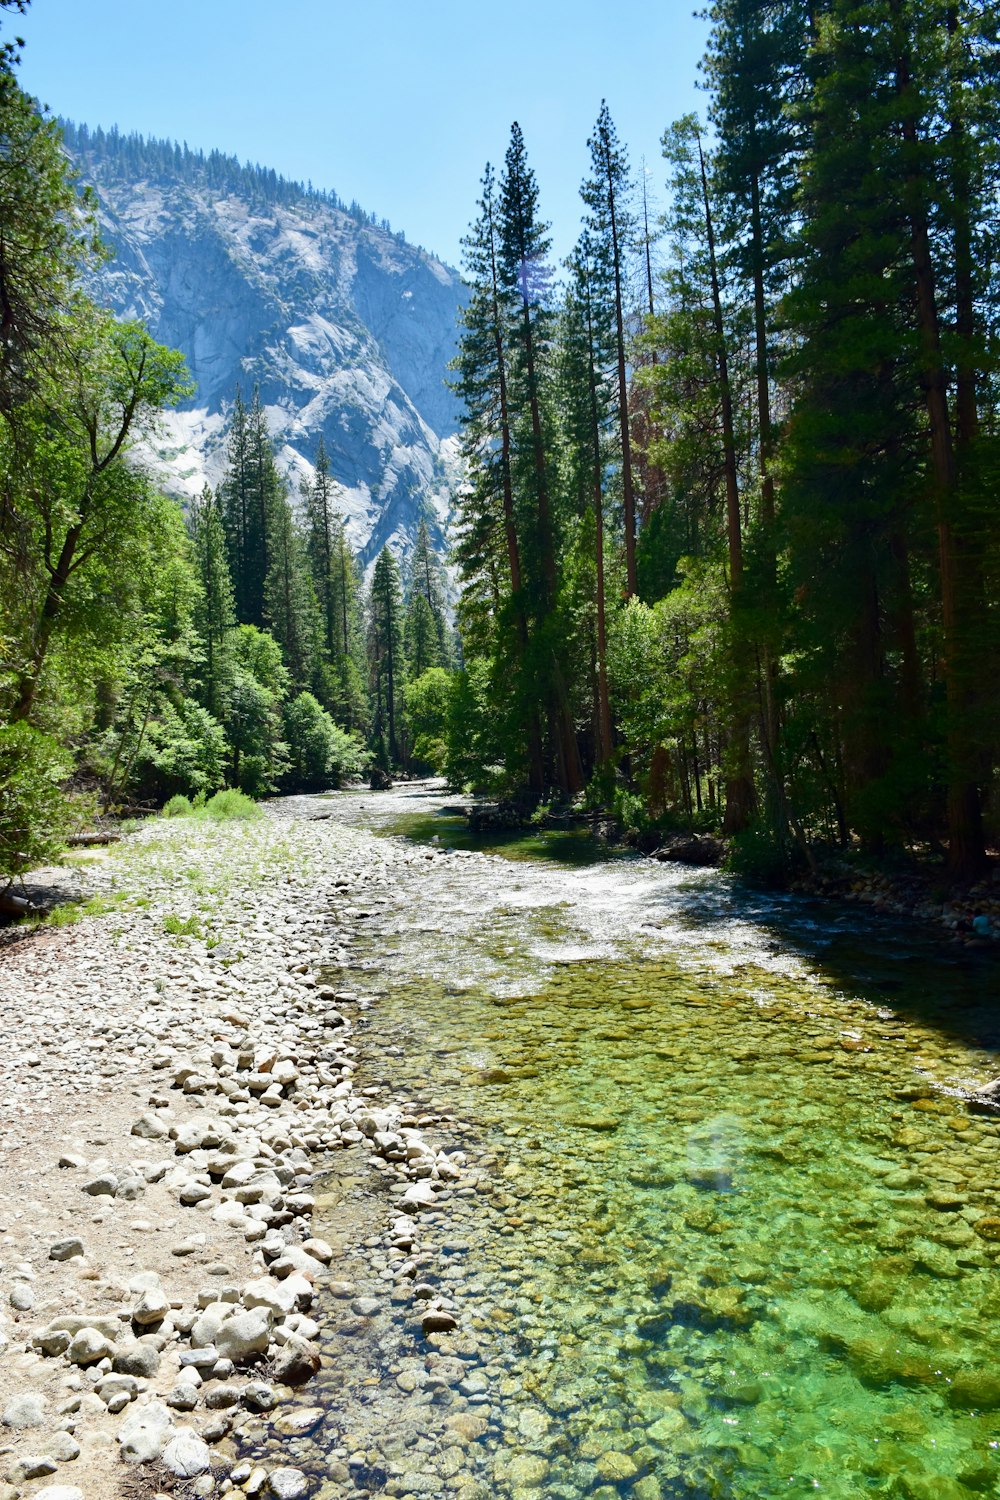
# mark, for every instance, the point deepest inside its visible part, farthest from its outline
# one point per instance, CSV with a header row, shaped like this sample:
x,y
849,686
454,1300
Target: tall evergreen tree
x,y
250,491
386,655
215,607
524,245
490,548
606,192
588,345
291,610
426,577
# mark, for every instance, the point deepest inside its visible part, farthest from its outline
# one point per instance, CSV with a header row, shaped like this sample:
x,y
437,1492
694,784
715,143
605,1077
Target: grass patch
x,y
181,926
231,807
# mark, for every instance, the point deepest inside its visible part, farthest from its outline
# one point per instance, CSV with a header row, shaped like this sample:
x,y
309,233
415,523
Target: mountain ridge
x,y
346,328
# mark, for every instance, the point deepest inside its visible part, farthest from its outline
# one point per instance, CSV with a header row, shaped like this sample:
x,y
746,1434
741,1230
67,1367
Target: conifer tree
x,y
490,547
606,193
587,368
524,245
422,636
426,577
215,607
386,655
322,520
290,602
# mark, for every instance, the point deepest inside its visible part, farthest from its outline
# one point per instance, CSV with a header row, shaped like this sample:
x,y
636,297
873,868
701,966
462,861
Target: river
x,y
735,1238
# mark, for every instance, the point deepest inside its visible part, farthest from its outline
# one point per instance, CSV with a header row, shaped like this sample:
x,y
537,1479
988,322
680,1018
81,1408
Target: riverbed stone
x,y
288,1484
29,1409
88,1346
186,1454
243,1335
65,1249
145,1433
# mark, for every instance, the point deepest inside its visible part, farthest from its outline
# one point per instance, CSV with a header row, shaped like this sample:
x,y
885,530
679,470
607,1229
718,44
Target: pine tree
x,y
606,193
588,345
524,246
291,610
386,655
755,68
489,550
250,492
322,521
426,577
422,636
215,609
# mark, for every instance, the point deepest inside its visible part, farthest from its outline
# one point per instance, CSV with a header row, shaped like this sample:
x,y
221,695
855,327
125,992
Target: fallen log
x,y
88,840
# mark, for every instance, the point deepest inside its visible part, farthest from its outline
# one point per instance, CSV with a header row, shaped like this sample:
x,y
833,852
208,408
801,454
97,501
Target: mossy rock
x,y
975,1390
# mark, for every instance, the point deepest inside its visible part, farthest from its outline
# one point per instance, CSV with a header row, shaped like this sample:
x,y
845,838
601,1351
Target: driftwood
x,y
88,840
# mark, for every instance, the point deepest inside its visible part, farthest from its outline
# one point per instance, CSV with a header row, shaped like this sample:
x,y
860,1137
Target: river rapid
x,y
734,1237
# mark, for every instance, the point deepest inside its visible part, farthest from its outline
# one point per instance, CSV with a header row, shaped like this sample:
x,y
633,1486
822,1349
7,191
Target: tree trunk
x,y
966,846
740,797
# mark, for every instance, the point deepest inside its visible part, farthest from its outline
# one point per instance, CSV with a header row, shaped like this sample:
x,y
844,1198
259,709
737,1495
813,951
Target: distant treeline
x,y
129,158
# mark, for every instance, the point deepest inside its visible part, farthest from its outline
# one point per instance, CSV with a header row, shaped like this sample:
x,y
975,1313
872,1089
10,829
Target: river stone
x,y
27,1410
88,1346
288,1484
258,1396
33,1466
278,1296
186,1455
299,1420
418,1197
63,1447
527,1470
438,1322
296,1362
244,1335
208,1323
65,1249
59,1492
149,1128
667,1427
616,1467
136,1358
988,1228
152,1307
22,1296
103,1186
145,1433
975,1390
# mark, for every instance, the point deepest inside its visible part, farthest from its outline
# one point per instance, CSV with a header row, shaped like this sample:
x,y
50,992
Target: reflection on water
x,y
737,1242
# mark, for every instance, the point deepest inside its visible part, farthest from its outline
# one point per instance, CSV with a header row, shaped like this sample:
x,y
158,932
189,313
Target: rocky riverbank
x,y
179,1069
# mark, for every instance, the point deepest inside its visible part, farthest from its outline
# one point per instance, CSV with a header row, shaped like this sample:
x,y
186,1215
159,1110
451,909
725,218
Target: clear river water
x,y
740,1240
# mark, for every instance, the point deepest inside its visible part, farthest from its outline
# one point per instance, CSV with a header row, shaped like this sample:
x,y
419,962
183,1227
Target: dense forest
x,y
148,655
726,551
729,550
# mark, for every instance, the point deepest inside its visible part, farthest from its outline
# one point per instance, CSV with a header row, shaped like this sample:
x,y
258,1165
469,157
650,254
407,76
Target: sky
x,y
395,103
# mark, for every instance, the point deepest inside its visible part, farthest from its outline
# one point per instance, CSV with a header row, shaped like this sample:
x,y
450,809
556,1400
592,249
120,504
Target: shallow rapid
x,y
740,1233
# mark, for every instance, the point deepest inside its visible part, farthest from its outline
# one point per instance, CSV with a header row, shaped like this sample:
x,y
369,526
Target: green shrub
x,y
178,807
184,750
321,753
757,855
35,813
231,807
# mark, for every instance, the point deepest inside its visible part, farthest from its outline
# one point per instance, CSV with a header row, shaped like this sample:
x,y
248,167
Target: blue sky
x,y
395,103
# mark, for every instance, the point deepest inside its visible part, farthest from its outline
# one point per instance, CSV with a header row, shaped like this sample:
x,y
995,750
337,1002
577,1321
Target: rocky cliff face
x,y
346,328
